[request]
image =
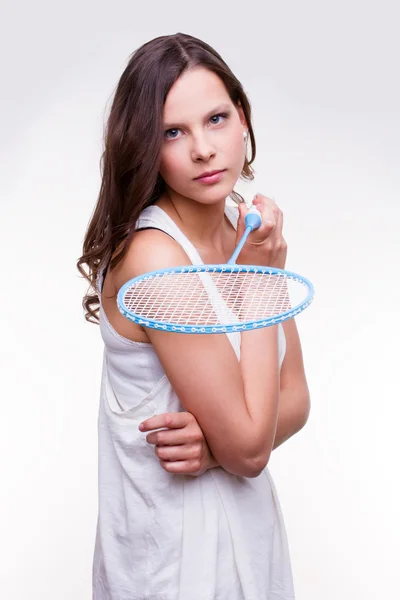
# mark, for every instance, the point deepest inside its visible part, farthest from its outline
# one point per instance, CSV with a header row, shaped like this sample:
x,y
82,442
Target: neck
x,y
204,224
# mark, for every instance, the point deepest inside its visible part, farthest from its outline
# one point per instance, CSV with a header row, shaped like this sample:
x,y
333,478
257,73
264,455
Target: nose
x,y
202,148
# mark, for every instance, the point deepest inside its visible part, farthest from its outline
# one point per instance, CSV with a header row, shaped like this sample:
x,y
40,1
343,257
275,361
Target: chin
x,y
213,196
213,193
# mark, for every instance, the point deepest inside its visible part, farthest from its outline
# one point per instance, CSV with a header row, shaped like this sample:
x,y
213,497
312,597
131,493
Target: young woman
x,y
187,424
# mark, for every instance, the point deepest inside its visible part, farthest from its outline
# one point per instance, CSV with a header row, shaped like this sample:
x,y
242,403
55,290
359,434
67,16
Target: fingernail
x,y
141,426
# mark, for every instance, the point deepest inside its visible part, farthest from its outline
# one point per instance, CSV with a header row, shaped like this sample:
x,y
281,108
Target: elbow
x,y
248,470
245,467
256,465
258,457
260,460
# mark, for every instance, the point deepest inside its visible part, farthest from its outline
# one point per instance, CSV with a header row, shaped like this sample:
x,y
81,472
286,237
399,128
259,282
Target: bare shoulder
x,y
150,250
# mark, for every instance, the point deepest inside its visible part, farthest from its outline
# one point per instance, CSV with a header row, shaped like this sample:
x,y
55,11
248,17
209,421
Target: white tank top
x,y
163,536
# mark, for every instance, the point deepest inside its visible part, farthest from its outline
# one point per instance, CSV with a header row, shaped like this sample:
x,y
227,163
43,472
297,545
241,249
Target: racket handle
x,y
253,218
252,221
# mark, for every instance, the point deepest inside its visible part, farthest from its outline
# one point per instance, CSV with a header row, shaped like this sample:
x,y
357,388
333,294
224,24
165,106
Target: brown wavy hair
x,y
133,139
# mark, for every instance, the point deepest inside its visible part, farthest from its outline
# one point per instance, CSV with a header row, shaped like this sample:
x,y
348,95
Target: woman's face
x,y
203,132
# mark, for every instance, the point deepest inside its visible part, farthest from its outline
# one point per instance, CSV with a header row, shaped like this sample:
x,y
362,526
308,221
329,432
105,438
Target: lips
x,y
209,173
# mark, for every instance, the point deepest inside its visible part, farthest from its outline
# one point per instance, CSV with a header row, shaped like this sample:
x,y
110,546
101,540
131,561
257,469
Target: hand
x,y
266,245
182,448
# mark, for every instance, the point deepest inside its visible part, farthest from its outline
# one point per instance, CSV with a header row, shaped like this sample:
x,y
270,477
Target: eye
x,y
171,134
215,119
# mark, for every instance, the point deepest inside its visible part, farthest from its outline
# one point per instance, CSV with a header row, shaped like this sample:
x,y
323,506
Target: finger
x,y
184,467
267,226
175,453
264,204
171,420
272,218
279,224
241,225
260,200
175,437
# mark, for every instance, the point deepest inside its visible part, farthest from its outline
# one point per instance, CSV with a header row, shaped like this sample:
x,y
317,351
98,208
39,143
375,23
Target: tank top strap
x,y
154,216
232,212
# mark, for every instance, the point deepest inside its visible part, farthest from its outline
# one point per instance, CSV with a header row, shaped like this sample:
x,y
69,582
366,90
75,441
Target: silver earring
x,y
245,135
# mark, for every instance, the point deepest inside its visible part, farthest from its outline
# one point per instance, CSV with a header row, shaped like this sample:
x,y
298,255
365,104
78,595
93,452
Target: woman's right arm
x,y
235,404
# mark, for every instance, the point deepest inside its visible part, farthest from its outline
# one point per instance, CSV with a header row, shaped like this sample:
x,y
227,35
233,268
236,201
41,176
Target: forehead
x,y
193,94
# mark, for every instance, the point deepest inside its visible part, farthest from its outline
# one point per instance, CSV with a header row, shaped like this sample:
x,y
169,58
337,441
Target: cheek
x,y
236,151
171,166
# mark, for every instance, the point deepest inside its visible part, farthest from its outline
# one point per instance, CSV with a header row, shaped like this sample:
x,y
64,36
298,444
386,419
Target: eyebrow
x,y
220,108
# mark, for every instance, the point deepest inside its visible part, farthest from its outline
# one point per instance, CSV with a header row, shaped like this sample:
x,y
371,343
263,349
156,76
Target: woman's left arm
x,y
182,447
294,397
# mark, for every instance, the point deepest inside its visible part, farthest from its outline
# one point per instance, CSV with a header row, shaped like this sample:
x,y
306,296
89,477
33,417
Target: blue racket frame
x,y
250,325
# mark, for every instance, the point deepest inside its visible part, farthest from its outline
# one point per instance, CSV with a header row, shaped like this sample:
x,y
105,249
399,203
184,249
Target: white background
x,y
323,80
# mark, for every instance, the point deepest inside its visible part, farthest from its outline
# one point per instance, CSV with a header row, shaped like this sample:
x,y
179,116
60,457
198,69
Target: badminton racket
x,y
220,298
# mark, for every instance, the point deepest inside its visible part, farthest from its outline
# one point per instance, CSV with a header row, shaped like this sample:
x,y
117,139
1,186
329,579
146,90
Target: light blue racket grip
x,y
252,221
253,218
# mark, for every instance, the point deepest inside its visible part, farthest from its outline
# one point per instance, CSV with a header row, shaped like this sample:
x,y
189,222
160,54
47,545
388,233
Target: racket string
x,y
209,298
